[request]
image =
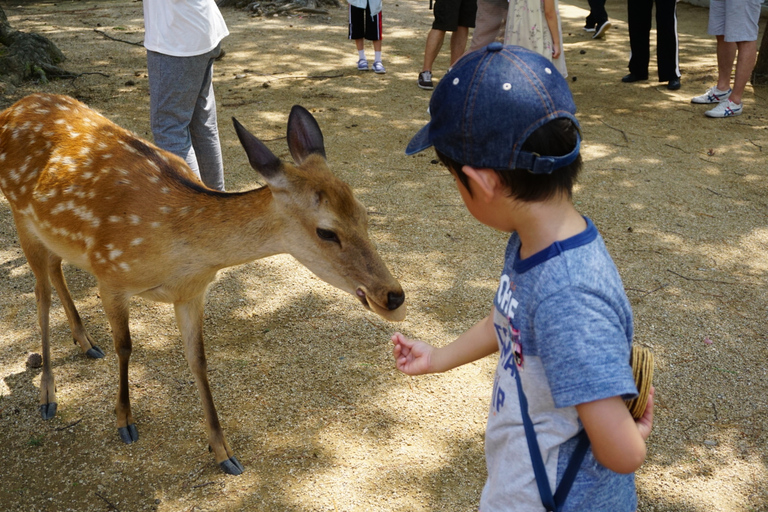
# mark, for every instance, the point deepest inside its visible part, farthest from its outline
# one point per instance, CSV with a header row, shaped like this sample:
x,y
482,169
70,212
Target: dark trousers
x,y
597,13
639,18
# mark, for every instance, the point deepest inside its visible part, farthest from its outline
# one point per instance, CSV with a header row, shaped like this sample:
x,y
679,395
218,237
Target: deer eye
x,y
327,235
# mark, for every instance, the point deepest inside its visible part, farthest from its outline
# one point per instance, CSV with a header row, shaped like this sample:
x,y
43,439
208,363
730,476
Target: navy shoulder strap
x,y
550,502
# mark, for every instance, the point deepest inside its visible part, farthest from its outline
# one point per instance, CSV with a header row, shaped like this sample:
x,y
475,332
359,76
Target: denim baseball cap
x,y
490,102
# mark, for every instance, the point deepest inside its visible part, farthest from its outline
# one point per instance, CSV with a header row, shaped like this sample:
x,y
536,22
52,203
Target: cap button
x,y
494,46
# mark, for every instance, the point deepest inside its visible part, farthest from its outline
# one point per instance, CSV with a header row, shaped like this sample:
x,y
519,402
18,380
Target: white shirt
x,y
183,28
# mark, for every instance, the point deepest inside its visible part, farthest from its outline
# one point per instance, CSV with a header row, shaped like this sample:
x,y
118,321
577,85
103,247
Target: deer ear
x,y
259,155
304,135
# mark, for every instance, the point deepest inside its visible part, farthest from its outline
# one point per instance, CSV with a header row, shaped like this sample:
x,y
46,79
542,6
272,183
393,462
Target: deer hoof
x,y
48,411
95,352
231,466
128,434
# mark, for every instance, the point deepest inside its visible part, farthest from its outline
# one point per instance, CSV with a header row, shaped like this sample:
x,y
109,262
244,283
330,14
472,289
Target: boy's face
x,y
479,203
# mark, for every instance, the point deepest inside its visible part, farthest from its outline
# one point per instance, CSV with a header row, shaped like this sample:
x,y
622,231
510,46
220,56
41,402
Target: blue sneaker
x,y
362,65
378,67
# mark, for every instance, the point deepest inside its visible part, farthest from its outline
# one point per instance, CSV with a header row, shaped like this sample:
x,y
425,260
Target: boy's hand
x,y
645,424
412,357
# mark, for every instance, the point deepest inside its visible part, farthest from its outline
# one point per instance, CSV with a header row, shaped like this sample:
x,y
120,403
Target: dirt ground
x,y
303,376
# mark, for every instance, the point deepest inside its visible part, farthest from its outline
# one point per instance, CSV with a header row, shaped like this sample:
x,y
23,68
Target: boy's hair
x,y
556,138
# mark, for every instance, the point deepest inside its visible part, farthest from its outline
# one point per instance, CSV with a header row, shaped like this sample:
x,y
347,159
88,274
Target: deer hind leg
x,y
79,333
37,256
116,308
189,316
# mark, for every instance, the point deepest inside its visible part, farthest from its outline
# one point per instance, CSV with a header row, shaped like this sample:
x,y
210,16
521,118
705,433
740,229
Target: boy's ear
x,y
486,181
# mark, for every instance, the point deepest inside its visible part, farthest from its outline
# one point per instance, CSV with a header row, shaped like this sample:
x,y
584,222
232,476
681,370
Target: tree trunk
x,y
27,56
760,73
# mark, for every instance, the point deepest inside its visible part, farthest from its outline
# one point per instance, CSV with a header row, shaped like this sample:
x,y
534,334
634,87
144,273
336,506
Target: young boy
x,y
503,123
365,23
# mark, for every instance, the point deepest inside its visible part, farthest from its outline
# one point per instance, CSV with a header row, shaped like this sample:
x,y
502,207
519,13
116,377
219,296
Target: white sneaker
x,y
713,95
362,65
378,67
725,108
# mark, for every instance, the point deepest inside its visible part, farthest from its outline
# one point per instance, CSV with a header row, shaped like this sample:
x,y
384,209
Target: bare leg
x,y
189,316
434,43
458,43
726,53
745,63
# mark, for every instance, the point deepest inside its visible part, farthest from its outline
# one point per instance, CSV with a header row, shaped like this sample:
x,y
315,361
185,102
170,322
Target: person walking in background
x,y
456,17
365,23
735,25
183,38
535,24
597,20
667,56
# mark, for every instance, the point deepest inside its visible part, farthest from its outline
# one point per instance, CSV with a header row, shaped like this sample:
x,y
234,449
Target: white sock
x,y
376,56
717,90
361,53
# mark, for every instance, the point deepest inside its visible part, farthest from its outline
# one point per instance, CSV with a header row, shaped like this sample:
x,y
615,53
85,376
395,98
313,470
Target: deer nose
x,y
395,300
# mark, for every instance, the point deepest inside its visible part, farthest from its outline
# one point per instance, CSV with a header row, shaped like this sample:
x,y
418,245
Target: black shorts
x,y
451,14
362,26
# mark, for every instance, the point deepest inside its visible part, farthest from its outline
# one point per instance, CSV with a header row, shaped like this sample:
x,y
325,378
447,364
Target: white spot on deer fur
x,y
165,190
115,253
165,209
184,210
154,179
2,157
135,219
60,121
3,183
155,224
11,196
126,267
87,175
136,241
106,156
114,219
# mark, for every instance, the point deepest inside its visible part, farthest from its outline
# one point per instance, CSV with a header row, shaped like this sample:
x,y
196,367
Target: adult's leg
x,y
726,53
204,130
458,43
183,111
171,104
597,13
667,44
745,63
434,43
639,21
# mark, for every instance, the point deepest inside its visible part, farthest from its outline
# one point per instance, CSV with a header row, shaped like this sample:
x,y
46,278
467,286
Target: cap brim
x,y
419,142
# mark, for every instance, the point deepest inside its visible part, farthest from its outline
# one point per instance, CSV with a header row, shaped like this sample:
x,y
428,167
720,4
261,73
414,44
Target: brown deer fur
x,y
84,190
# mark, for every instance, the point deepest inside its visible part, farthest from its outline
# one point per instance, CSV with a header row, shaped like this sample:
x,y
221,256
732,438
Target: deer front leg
x,y
37,257
189,316
79,333
116,309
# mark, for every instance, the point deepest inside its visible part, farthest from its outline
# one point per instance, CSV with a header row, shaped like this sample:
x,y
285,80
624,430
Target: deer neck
x,y
232,228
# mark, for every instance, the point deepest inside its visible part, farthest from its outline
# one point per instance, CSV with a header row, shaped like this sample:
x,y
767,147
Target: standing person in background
x,y
535,24
490,23
667,57
597,20
183,38
735,25
456,17
365,23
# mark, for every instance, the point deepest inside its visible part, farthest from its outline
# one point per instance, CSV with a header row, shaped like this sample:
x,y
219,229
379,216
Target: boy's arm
x,y
618,441
415,357
550,13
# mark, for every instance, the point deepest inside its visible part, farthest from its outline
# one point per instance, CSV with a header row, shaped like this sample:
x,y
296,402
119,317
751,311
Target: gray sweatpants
x,y
182,112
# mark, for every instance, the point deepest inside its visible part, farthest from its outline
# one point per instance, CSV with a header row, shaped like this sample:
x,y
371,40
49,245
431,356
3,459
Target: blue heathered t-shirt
x,y
563,319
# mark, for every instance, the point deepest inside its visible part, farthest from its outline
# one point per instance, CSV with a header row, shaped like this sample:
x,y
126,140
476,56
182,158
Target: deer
x,y
86,191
